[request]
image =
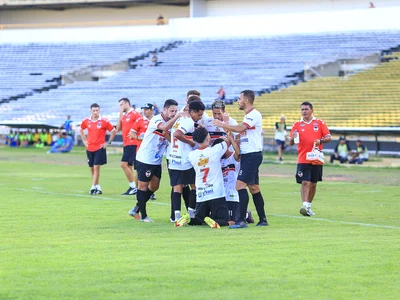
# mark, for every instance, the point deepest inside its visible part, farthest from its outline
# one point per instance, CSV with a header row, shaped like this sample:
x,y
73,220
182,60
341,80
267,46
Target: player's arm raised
x,y
235,128
167,125
181,137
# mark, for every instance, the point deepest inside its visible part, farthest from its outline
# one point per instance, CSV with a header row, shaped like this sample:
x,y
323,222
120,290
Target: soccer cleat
x,y
249,218
153,197
306,211
147,220
238,225
93,192
182,221
210,222
130,191
99,192
262,223
134,214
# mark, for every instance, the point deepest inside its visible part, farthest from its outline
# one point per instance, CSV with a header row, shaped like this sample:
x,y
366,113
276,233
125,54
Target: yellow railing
x,y
84,24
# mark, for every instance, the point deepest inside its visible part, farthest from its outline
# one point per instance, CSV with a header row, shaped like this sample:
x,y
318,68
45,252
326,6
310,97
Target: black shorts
x,y
308,172
249,164
233,210
129,155
97,158
279,142
146,171
215,209
182,177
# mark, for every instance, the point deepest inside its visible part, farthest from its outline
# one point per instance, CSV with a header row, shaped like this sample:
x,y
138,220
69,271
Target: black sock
x,y
148,194
259,204
186,195
141,198
192,199
176,203
243,203
172,211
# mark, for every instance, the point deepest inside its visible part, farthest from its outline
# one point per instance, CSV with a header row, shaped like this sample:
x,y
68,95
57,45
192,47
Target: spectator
x,y
371,5
160,20
36,136
29,138
342,151
221,93
154,60
156,109
22,139
67,126
360,155
280,136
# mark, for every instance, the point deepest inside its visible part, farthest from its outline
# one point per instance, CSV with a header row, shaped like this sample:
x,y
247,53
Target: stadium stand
x,y
258,63
365,99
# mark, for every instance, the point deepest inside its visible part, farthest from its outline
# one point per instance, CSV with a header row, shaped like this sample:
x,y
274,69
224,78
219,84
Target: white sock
x,y
98,187
93,187
132,185
191,212
307,204
177,215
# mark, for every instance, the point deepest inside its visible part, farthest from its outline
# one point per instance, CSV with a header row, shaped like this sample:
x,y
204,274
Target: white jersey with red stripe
x,y
154,143
251,140
207,165
230,170
179,151
215,131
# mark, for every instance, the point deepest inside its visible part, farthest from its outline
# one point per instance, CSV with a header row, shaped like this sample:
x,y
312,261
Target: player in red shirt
x,y
308,130
128,117
96,144
140,127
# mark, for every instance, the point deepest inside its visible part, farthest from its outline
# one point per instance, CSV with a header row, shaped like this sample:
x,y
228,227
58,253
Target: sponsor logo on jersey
x,y
203,161
176,125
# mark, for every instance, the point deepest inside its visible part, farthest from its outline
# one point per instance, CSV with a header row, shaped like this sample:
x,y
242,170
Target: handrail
x,y
84,24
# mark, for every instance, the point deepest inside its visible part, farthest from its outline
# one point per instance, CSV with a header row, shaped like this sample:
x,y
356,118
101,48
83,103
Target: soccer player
x,y
150,155
308,130
96,144
218,111
230,165
128,117
251,143
140,127
211,207
181,171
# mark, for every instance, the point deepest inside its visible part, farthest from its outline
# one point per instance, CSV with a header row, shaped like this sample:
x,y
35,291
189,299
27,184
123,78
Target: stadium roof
x,y
64,4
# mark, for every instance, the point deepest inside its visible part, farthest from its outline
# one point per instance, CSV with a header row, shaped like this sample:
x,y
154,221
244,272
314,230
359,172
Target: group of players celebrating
x,y
212,161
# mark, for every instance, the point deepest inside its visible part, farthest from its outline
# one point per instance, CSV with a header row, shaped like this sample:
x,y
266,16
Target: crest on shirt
x,y
98,124
315,128
203,161
148,173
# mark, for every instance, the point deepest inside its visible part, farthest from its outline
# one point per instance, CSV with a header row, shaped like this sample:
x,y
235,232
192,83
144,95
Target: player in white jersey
x,y
149,157
209,183
230,165
181,171
251,143
218,111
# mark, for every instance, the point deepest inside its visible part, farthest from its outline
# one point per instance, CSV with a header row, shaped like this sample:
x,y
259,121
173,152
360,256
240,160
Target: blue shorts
x,y
282,143
97,158
249,165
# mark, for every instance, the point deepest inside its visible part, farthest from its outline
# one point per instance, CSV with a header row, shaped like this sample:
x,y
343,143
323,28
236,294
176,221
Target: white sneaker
x,y
306,211
147,220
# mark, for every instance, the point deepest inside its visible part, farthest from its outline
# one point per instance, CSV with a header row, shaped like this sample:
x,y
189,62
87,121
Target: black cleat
x,y
130,191
153,197
93,192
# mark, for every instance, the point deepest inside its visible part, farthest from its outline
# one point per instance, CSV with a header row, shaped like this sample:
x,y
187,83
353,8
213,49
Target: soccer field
x,y
58,242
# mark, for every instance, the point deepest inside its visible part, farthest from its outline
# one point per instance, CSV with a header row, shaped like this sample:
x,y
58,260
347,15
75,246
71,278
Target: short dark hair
x,y
218,104
249,94
218,141
192,93
126,100
193,98
94,105
307,103
170,102
200,134
196,106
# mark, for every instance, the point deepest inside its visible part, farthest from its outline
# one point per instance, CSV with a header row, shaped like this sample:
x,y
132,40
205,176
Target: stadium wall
x,y
42,16
217,27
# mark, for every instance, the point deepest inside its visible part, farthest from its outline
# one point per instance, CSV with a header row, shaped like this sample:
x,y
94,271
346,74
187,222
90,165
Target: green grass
x,y
58,242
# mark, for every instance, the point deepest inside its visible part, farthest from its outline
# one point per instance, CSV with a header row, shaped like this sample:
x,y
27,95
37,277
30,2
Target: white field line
x,y
167,204
335,221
